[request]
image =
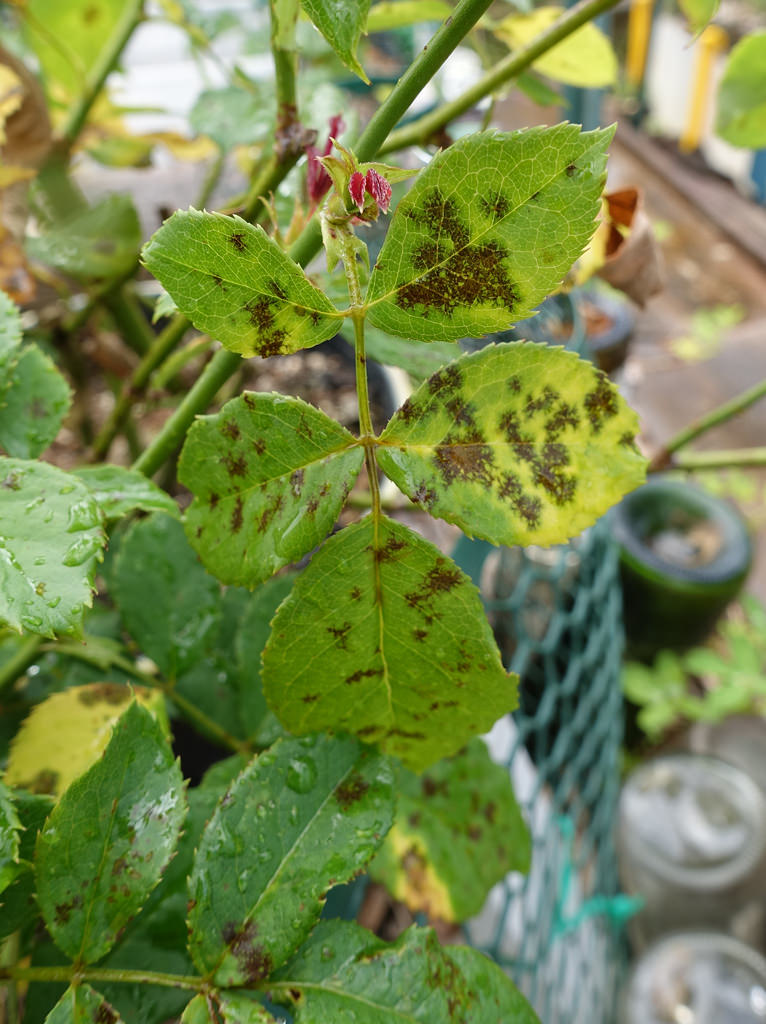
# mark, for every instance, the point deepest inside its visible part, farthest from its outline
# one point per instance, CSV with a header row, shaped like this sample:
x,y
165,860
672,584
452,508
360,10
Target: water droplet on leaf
x,y
301,774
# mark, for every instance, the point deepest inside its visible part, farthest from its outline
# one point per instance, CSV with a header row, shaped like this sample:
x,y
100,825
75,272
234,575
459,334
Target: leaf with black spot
x,y
343,973
226,1008
269,476
458,830
81,1004
385,637
489,228
236,284
518,443
107,841
303,816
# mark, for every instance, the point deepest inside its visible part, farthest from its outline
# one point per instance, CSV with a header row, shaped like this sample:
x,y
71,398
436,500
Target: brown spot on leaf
x,y
462,412
312,505
360,674
296,482
351,791
269,512
63,911
235,466
105,1014
238,241
236,516
420,634
541,402
277,288
465,458
218,280
254,962
213,499
249,400
569,170
430,787
260,445
230,429
564,415
340,634
446,380
104,693
526,506
424,495
490,810
355,593
388,551
309,698
601,402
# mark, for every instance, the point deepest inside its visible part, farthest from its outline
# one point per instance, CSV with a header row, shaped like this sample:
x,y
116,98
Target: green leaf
x,y
107,841
418,360
51,542
9,838
489,228
699,12
269,475
37,402
252,636
341,23
517,443
385,637
226,1008
169,604
18,906
585,58
305,815
236,284
66,733
344,973
458,830
232,116
399,13
741,117
82,1005
119,491
10,342
99,242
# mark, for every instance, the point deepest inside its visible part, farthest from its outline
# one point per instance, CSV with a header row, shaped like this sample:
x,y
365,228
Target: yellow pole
x,y
712,41
639,31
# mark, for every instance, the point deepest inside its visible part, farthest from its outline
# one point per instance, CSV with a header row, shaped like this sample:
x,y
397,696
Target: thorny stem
x,y
100,974
502,73
721,414
21,660
78,115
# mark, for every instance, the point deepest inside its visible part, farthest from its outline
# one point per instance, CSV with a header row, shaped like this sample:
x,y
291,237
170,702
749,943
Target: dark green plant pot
x,y
684,556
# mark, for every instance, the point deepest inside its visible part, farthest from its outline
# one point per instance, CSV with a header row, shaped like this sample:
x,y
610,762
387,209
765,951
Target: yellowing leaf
x,y
584,58
65,734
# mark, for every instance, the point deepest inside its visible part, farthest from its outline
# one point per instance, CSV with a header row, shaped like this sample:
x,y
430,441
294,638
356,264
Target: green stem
x,y
17,664
132,14
100,974
270,177
721,414
214,376
508,68
172,366
723,459
129,319
161,347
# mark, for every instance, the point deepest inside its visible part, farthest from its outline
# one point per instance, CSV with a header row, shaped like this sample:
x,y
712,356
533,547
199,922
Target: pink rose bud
x,y
356,189
379,189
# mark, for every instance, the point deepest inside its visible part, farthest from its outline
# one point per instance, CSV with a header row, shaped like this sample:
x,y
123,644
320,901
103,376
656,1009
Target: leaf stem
x,y
21,660
162,346
70,973
132,14
723,459
721,414
502,73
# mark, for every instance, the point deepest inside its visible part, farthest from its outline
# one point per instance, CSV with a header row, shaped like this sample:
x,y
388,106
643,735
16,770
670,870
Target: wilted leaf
x,y
51,542
517,443
236,284
82,1005
226,1008
489,228
9,838
107,841
386,638
35,405
741,117
169,604
67,733
305,815
345,973
269,476
399,13
341,23
585,58
232,116
99,242
119,491
458,830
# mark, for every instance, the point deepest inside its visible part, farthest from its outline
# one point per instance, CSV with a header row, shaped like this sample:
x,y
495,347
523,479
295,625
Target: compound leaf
x,y
458,830
341,23
305,815
489,228
741,118
81,1004
9,838
269,476
66,733
10,342
169,604
226,1008
517,443
345,973
236,284
98,242
385,637
109,838
119,491
35,405
51,542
